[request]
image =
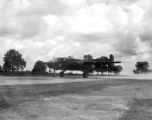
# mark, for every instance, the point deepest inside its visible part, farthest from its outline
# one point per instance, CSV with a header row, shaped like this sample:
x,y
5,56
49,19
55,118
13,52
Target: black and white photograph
x,y
75,60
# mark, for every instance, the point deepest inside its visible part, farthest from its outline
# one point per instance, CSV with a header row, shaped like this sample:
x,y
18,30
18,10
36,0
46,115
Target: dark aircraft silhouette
x,y
86,66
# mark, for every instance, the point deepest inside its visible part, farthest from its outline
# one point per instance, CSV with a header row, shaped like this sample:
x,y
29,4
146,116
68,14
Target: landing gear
x,y
85,74
61,74
53,74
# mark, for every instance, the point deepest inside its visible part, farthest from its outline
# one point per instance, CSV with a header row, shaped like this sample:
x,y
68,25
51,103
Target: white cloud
x,y
43,29
77,44
136,13
74,2
51,20
39,44
87,23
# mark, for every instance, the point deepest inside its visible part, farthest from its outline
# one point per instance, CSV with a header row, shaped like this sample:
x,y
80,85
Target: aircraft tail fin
x,y
111,59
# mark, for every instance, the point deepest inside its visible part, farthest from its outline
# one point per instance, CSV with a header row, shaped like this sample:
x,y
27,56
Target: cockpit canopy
x,y
61,59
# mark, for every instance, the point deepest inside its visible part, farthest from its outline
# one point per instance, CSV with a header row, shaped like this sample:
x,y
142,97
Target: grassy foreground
x,y
11,96
138,94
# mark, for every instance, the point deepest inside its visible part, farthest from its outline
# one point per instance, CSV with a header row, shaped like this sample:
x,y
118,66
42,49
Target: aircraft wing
x,y
100,62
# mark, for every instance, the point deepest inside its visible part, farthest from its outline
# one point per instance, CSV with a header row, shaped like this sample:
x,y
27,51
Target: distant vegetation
x,y
142,68
39,67
117,69
14,64
13,61
104,68
88,57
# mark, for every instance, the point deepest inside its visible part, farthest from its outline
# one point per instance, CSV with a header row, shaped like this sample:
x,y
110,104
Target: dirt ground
x,y
99,98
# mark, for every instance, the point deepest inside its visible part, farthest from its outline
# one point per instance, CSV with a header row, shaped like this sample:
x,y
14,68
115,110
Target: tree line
x,y
13,61
117,69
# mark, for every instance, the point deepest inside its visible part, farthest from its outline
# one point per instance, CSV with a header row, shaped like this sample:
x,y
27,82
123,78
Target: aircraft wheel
x,y
85,74
62,74
53,75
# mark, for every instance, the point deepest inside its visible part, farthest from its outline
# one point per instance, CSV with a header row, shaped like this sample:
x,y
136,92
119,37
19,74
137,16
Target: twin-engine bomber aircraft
x,y
86,66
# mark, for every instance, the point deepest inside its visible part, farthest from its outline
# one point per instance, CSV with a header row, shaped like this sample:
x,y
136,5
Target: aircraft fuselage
x,y
86,66
67,64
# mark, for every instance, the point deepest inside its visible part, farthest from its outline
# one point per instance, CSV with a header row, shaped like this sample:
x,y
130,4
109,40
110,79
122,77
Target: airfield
x,y
76,98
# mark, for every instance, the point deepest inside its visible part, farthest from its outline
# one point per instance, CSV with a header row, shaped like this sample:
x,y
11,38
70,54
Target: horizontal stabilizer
x,y
102,62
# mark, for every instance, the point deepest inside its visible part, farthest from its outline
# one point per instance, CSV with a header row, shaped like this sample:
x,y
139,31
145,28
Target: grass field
x,y
109,99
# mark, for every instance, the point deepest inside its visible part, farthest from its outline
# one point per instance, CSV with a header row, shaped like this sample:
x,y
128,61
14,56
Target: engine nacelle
x,y
92,67
88,67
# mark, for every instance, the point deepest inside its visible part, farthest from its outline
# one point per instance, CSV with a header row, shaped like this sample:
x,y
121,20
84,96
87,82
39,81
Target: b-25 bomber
x,y
86,66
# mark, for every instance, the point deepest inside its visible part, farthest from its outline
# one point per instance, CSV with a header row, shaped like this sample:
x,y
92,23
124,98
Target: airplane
x,y
86,66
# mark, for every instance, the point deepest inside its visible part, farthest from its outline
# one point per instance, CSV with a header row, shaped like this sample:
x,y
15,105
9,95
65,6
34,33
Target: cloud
x,y
43,29
127,2
7,28
32,26
34,7
91,38
145,32
24,19
47,7
128,44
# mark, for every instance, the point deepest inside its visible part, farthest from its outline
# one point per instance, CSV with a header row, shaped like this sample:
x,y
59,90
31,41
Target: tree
x,y
117,69
104,68
0,68
141,67
88,57
39,66
135,72
13,61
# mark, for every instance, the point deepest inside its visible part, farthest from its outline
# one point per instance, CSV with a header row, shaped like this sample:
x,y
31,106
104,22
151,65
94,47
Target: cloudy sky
x,y
42,29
